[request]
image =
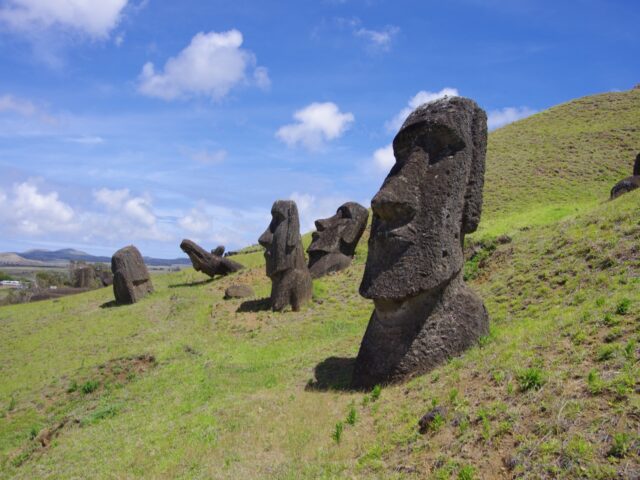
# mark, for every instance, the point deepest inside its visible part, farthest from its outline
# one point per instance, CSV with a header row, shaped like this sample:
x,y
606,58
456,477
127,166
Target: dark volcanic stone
x,y
428,418
84,277
131,280
239,291
218,251
628,184
206,262
334,243
424,313
284,256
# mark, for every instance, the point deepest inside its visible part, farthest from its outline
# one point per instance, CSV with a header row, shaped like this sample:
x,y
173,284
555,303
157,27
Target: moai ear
x,y
293,226
475,180
636,166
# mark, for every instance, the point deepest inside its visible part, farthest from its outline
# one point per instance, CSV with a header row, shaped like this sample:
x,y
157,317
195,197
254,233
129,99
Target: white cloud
x,y
423,96
209,158
500,118
24,108
28,211
378,39
311,208
383,158
137,209
316,124
196,222
93,18
86,140
211,65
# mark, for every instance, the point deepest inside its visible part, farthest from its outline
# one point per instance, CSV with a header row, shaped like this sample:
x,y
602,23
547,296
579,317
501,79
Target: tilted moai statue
x,y
211,264
628,184
284,256
335,239
131,280
424,313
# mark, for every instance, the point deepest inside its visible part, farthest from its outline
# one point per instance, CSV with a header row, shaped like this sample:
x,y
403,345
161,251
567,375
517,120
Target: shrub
x,y
531,378
622,308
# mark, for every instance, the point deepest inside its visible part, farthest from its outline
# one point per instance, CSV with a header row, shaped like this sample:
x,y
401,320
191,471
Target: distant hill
x,y
41,257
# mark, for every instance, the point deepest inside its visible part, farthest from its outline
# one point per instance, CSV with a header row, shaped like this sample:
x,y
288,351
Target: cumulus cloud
x,y
137,209
383,158
423,96
378,39
315,125
211,65
27,210
500,118
24,108
93,18
196,222
312,207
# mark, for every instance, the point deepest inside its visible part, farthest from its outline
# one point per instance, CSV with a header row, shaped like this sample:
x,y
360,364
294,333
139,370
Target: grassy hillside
x,y
560,161
187,385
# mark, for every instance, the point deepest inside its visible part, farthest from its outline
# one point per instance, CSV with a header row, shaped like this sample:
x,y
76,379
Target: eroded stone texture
x,y
628,184
284,256
218,251
208,263
238,291
335,239
424,313
131,280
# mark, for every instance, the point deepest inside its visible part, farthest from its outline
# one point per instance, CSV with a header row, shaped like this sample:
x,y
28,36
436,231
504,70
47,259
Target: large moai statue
x,y
131,280
628,184
212,263
424,313
335,239
284,256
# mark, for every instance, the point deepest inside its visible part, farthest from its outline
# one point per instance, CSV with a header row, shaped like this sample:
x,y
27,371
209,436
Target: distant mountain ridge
x,y
40,257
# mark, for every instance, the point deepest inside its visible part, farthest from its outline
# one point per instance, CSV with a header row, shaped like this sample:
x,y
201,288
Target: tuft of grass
x,y
352,416
337,432
606,352
89,386
375,393
467,472
622,308
530,379
594,382
621,445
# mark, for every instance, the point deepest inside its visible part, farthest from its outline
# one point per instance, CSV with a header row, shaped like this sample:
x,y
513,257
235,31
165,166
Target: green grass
x,y
551,392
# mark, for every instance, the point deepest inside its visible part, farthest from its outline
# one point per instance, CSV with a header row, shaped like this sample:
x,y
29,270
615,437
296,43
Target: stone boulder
x,y
424,312
131,280
238,291
208,263
284,256
628,184
335,239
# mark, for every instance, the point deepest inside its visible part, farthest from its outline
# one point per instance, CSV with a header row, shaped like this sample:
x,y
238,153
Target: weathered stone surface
x,y
206,262
628,184
131,280
84,276
218,251
335,239
424,313
284,256
239,291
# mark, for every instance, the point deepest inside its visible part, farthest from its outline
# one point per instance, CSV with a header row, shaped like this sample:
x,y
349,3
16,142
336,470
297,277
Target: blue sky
x,y
149,121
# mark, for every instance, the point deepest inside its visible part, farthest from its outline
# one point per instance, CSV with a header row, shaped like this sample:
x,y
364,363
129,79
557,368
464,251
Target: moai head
x,y
340,233
282,238
431,198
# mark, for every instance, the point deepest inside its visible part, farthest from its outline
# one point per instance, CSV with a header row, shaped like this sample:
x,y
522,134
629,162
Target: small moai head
x,y
341,232
430,199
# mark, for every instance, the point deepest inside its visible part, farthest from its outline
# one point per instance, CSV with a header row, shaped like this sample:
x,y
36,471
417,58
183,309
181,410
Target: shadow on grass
x,y
260,305
109,304
333,373
192,284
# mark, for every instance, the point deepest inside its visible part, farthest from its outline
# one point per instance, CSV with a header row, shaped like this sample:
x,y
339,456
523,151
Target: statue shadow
x,y
259,305
110,304
333,374
192,284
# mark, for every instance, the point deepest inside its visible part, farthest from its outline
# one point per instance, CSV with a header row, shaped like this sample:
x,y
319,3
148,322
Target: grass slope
x,y
187,385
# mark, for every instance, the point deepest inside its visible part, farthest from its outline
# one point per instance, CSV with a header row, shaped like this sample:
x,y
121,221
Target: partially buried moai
x,y
284,256
335,239
131,280
424,313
